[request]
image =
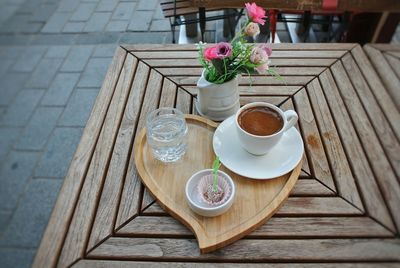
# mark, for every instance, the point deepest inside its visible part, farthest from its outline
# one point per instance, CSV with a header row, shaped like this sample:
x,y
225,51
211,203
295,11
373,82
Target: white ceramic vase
x,y
217,101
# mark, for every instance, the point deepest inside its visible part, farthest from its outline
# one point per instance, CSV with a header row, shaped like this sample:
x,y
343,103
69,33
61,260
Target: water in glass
x,y
166,134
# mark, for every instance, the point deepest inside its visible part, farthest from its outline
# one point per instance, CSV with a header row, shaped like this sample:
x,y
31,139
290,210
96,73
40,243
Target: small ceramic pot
x,y
197,202
217,101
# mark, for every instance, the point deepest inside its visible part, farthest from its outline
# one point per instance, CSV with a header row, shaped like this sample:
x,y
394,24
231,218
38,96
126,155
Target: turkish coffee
x,y
260,121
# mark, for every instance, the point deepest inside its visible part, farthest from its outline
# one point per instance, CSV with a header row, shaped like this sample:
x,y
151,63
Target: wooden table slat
x,y
305,227
297,206
53,237
394,62
333,148
132,188
292,54
388,77
128,264
253,249
76,239
313,144
284,71
381,94
372,197
130,205
110,196
381,167
390,142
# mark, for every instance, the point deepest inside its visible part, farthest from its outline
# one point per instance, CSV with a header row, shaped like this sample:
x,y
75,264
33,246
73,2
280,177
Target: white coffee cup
x,y
260,145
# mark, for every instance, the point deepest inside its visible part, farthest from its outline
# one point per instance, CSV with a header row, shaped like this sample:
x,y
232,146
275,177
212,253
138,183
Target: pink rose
x,y
267,49
210,53
252,29
219,51
258,55
224,50
262,68
255,13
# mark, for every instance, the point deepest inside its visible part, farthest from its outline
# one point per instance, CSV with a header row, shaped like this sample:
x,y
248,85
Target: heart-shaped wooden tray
x,y
255,201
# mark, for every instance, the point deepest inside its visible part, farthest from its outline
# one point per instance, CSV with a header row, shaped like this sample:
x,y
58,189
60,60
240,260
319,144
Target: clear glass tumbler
x,y
166,134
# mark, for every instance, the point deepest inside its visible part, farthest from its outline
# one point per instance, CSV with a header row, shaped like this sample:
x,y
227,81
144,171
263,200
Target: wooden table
x,y
344,208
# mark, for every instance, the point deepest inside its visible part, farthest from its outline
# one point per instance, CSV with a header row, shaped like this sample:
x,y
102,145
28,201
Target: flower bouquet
x,y
218,93
224,61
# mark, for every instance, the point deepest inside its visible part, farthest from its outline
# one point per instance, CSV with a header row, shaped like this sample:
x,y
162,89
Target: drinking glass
x,y
166,134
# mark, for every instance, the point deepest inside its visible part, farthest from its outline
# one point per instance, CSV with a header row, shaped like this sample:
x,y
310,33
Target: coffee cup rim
x,y
265,104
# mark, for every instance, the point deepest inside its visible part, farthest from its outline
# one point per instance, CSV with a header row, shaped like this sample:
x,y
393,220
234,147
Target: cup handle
x,y
291,119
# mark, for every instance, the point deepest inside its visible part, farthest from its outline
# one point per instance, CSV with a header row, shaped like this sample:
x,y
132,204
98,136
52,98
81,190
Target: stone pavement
x,y
53,58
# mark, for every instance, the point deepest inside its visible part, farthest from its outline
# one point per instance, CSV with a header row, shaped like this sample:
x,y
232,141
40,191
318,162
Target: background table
x,y
344,208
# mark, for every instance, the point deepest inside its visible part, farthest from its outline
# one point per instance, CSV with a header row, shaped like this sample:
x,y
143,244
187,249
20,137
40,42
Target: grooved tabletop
x,y
343,209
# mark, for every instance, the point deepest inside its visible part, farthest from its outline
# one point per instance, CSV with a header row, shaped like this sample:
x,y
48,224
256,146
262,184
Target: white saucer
x,y
280,160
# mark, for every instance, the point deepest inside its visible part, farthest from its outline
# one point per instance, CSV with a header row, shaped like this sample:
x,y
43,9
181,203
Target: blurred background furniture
x,y
338,20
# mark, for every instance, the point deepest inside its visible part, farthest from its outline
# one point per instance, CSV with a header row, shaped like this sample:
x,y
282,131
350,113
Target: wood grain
x,y
384,132
252,250
156,63
76,239
281,70
313,144
110,196
372,197
57,227
394,63
304,227
382,96
297,206
388,77
323,54
128,264
130,203
382,170
305,170
336,156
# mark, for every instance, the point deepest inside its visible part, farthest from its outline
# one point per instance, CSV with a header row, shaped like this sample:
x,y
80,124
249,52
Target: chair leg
x,y
202,18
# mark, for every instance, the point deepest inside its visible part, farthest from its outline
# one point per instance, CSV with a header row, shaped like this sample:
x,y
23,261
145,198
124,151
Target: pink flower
x,y
210,53
219,51
255,13
258,55
224,50
262,68
252,29
267,49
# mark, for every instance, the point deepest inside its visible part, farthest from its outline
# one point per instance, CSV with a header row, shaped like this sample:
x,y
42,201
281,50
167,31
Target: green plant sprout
x,y
215,167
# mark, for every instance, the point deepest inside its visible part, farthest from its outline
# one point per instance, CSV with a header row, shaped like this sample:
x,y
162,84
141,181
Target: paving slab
x,y
74,27
28,59
124,11
10,85
8,135
94,73
22,107
14,174
57,52
37,132
30,219
83,12
78,108
60,89
44,73
97,22
107,5
16,257
56,22
141,21
4,220
58,152
104,51
77,59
